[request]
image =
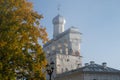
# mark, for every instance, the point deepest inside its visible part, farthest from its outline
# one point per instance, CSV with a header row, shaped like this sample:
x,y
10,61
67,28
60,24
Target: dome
x,y
59,20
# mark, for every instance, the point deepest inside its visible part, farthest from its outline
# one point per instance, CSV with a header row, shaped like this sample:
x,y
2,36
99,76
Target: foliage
x,y
20,52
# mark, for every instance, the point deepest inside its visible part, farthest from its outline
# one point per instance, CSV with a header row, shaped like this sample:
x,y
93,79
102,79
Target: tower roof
x,y
59,19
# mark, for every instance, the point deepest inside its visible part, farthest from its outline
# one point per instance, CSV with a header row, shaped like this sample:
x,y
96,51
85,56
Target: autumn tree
x,y
21,55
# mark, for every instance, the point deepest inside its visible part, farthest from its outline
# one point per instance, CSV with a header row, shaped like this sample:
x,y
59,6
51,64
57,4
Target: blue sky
x,y
97,20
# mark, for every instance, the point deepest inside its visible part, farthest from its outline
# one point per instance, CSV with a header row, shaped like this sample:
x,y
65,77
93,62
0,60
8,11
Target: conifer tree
x,y
21,55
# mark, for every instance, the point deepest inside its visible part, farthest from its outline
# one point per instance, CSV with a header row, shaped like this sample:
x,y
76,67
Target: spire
x,y
58,8
58,19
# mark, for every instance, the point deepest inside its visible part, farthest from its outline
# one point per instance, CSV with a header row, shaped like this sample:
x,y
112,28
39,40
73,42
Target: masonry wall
x,y
66,63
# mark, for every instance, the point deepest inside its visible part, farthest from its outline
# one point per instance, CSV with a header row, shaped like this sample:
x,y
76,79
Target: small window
x,y
68,60
66,69
62,70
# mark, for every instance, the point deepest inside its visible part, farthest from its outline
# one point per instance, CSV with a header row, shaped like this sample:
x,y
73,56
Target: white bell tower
x,y
64,48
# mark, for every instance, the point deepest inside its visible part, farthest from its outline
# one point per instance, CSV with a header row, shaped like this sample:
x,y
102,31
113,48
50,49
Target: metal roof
x,y
97,68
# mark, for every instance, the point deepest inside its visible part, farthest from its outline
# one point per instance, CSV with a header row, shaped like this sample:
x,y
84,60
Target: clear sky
x,y
97,20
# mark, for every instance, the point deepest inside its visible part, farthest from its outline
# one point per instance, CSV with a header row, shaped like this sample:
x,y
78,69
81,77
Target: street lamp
x,y
50,68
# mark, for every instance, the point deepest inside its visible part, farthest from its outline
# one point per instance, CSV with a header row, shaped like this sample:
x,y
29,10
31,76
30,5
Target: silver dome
x,y
59,20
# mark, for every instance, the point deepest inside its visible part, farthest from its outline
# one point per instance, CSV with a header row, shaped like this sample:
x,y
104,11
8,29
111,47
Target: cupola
x,y
58,23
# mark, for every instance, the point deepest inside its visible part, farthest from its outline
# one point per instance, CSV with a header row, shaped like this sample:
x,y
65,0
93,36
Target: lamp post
x,y
49,69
